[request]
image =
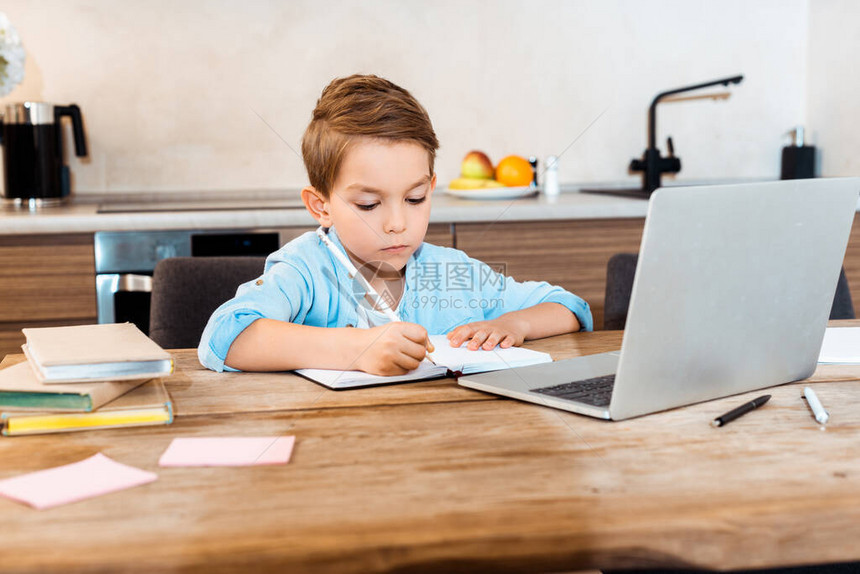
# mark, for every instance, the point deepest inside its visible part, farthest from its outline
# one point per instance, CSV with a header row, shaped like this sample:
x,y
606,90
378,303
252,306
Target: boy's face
x,y
380,202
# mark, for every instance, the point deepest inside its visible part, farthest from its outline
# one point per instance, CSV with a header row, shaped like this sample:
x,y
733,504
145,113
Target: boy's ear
x,y
432,184
317,205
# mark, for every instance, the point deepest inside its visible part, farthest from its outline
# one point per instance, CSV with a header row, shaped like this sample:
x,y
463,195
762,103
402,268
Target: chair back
x,y
186,290
619,284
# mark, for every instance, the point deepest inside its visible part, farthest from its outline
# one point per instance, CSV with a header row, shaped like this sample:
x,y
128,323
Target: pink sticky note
x,y
228,451
73,482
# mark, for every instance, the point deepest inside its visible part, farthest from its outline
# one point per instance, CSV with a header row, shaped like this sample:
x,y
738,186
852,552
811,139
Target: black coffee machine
x,y
32,140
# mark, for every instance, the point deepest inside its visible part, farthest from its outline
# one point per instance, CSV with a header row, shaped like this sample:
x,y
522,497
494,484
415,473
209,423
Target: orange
x,y
514,171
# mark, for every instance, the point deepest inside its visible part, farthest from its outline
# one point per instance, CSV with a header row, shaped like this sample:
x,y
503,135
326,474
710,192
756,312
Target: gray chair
x,y
619,284
186,290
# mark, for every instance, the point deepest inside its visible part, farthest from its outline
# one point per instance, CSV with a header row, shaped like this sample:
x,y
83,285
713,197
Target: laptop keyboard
x,y
596,391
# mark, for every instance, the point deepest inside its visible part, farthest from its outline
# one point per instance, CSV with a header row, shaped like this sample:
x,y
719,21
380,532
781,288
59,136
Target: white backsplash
x,y
171,91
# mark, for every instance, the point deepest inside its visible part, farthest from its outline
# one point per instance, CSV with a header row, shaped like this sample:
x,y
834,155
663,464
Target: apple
x,y
477,165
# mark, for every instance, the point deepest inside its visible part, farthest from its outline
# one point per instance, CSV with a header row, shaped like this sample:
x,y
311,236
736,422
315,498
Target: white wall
x,y
834,85
171,90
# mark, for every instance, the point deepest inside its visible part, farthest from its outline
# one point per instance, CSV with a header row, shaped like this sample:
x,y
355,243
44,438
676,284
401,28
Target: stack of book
x,y
83,377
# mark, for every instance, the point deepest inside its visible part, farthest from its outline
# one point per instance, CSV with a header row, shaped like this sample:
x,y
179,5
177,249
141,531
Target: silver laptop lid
x,y
732,291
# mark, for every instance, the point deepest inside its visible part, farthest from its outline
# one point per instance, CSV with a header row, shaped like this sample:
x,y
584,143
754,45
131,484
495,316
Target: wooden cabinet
x,y
852,263
440,234
569,253
46,280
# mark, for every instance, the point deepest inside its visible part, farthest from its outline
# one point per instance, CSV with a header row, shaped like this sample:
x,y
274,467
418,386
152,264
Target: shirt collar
x,y
344,282
343,274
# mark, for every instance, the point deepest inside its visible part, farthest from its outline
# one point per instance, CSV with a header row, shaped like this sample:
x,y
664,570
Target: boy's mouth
x,y
395,248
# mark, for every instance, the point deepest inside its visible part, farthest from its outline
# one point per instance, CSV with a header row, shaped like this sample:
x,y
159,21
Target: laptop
x,y
732,293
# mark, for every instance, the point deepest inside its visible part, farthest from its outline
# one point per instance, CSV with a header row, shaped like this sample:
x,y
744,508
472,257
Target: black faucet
x,y
653,165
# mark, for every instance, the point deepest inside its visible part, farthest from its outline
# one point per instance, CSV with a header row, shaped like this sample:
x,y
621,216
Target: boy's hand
x,y
392,349
506,331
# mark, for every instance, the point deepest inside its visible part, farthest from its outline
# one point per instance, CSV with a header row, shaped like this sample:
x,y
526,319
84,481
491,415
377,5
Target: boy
x,y
369,152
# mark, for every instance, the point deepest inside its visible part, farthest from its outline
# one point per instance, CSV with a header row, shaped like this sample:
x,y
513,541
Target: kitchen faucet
x,y
653,165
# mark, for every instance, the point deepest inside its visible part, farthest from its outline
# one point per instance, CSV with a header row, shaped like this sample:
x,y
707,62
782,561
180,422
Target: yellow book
x,y
148,404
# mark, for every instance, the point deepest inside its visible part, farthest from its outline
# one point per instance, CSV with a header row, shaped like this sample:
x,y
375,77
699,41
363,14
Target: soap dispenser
x,y
550,177
798,160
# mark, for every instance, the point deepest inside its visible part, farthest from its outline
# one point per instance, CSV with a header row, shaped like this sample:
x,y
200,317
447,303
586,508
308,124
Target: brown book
x,y
88,353
20,389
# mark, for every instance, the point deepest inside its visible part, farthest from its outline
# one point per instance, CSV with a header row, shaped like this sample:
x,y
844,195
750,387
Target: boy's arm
x,y
546,320
272,345
511,329
537,309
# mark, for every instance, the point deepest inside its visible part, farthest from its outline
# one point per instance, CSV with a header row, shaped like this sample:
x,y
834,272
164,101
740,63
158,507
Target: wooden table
x,y
433,477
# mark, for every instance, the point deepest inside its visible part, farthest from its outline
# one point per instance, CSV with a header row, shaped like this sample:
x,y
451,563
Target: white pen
x,y
821,415
378,300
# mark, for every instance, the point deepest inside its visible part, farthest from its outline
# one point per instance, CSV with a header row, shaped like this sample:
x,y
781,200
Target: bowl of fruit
x,y
511,178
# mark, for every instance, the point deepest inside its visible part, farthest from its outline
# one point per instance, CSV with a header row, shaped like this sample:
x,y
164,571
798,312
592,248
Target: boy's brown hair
x,y
361,106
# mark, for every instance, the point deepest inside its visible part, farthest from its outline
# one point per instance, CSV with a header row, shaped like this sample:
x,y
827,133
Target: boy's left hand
x,y
505,331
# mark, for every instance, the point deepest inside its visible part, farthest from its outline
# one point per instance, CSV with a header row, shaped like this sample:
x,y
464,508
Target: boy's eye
x,y
366,206
416,200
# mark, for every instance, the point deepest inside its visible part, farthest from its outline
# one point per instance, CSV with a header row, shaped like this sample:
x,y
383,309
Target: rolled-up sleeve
x,y
282,293
502,294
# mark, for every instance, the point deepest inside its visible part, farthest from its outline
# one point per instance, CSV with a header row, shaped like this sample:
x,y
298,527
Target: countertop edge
x,y
85,218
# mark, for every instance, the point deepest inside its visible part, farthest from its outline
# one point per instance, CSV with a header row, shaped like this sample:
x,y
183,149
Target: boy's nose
x,y
395,221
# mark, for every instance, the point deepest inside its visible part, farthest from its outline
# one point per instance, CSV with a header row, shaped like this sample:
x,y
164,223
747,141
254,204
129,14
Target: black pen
x,y
740,411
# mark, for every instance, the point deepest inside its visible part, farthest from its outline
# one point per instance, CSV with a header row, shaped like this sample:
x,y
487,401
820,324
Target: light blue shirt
x,y
304,283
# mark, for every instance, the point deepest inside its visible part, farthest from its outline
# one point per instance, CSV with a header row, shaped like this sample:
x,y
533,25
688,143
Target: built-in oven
x,y
125,261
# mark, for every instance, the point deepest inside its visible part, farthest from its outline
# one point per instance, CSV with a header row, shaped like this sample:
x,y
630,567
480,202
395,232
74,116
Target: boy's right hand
x,y
392,349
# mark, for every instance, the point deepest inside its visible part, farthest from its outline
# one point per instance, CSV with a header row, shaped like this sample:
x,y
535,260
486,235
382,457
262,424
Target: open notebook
x,y
448,359
841,346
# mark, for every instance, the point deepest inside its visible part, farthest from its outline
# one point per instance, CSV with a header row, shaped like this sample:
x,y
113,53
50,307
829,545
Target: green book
x,y
20,389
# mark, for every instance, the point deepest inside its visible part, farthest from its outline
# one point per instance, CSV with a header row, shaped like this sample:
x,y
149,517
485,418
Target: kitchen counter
x,y
219,210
